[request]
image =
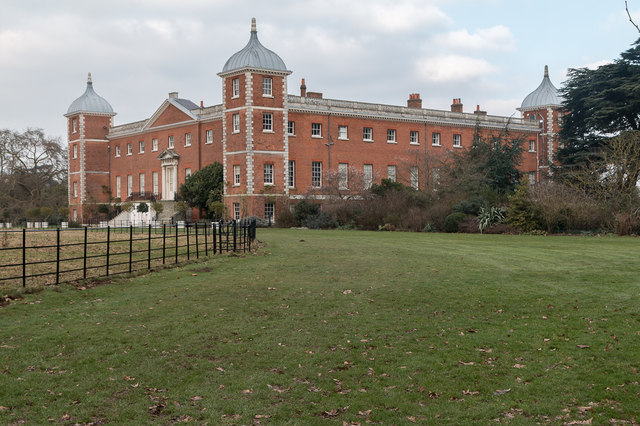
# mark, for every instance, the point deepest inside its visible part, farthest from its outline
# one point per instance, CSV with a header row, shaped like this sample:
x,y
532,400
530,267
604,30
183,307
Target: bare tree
x,y
626,6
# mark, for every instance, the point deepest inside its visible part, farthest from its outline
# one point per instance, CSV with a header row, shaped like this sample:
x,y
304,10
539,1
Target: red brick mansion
x,y
274,144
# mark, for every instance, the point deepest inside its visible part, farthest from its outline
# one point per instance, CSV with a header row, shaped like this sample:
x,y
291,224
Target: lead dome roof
x,y
546,94
255,55
90,101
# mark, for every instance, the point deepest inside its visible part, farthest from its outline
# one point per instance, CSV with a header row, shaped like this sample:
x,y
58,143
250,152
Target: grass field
x,y
338,326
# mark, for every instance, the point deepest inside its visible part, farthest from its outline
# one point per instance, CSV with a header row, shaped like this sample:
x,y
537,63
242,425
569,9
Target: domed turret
x,y
90,102
545,95
254,55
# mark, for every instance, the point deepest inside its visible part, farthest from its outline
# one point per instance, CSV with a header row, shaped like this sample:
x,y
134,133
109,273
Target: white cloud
x,y
497,38
404,16
452,68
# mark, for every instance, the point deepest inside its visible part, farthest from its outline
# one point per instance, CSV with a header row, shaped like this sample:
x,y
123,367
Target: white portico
x,y
169,162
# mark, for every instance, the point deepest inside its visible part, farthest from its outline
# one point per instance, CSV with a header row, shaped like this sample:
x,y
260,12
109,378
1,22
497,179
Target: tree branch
x,y
626,6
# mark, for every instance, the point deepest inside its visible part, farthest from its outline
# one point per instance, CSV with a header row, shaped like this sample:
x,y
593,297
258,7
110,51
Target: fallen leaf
x,y
583,346
501,391
196,398
469,392
581,422
487,350
262,416
411,419
466,363
346,292
364,413
219,368
245,391
519,366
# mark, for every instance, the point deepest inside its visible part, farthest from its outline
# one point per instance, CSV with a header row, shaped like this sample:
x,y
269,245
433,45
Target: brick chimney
x,y
173,95
456,106
303,89
478,112
414,101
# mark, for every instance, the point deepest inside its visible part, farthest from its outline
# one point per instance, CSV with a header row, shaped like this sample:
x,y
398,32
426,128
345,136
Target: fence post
x,y
176,225
24,257
227,237
235,234
84,256
220,238
213,232
206,249
57,256
130,245
149,250
197,249
108,243
164,241
186,227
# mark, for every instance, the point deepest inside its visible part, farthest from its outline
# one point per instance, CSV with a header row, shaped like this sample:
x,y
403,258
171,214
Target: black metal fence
x,y
30,257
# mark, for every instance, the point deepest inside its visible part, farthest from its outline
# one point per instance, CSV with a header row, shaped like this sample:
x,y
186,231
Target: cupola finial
x,y
546,70
89,79
253,25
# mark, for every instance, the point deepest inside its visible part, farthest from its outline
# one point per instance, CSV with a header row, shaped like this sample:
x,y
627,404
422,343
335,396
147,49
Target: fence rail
x,y
30,257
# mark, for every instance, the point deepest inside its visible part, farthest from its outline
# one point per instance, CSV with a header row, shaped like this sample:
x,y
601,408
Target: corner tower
x,y
254,133
89,119
544,105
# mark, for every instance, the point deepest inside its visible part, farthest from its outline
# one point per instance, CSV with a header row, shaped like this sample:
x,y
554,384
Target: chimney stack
x,y
456,106
414,101
173,95
303,89
479,112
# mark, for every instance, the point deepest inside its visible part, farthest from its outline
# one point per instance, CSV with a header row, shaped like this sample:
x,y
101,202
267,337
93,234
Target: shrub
x,y
142,208
322,220
103,208
451,223
429,228
470,206
521,213
304,210
490,216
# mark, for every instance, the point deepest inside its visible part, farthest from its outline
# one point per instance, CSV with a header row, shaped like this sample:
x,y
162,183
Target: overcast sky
x,y
487,52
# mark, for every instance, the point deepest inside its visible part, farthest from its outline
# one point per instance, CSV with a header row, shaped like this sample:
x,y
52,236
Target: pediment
x,y
168,154
170,112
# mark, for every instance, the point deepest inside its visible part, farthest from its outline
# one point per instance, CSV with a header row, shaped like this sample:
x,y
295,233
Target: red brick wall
x,y
169,116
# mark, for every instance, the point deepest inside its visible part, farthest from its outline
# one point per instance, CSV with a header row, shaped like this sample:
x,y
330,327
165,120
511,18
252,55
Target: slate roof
x,y
254,55
90,101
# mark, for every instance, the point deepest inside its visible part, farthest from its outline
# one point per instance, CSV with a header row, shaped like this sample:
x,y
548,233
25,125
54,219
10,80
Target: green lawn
x,y
340,326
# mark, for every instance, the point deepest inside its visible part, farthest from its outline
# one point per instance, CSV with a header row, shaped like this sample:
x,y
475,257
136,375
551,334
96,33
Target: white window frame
x,y
187,139
316,174
170,142
209,136
316,130
367,175
236,211
267,122
187,172
235,88
457,140
75,150
74,125
117,153
154,144
391,136
118,187
154,182
435,139
75,189
291,128
392,174
141,182
415,183
414,137
532,178
368,130
291,174
129,185
532,146
141,147
343,176
343,133
236,175
235,123
268,174
267,87
129,149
